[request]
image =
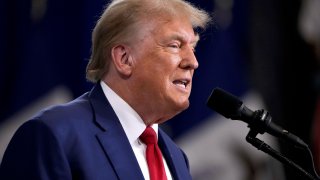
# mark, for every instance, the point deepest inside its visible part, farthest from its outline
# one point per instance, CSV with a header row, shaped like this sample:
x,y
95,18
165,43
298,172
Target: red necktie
x,y
153,153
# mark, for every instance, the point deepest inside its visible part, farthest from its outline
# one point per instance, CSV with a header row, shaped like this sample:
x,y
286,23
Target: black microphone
x,y
231,107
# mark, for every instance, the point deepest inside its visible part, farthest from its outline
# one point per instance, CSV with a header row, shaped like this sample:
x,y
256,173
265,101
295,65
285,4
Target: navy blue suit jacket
x,y
82,139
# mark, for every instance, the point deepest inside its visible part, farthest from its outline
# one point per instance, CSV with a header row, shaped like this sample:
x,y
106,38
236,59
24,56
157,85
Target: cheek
x,y
158,69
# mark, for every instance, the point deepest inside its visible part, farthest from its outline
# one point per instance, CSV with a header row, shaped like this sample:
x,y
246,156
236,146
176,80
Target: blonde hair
x,y
120,20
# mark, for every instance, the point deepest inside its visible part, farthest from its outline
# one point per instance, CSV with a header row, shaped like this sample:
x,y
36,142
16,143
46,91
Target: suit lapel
x,y
177,162
113,139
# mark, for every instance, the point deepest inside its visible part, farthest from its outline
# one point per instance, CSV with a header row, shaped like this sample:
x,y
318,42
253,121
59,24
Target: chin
x,y
183,106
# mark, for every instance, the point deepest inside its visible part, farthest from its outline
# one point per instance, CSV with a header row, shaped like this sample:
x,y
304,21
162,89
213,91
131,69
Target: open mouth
x,y
181,83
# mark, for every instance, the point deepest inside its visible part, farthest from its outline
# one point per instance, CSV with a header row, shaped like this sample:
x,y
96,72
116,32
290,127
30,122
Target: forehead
x,y
173,28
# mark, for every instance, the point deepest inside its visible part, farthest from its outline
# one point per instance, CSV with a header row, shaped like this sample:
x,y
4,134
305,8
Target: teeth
x,y
182,83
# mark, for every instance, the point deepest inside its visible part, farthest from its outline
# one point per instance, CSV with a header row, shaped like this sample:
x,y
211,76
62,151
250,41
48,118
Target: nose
x,y
189,60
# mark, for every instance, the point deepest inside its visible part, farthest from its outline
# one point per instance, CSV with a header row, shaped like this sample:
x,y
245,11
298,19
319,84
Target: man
x,y
142,63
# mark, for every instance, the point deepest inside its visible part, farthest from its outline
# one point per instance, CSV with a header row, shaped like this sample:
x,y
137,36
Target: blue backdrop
x,y
46,43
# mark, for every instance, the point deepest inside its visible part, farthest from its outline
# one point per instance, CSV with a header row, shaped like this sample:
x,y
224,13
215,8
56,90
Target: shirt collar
x,y
130,120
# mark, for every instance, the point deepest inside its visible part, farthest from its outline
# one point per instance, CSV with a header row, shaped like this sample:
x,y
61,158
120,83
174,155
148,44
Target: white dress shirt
x,y
133,126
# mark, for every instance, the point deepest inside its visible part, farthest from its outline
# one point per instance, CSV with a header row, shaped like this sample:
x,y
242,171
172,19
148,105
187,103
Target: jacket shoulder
x,y
77,109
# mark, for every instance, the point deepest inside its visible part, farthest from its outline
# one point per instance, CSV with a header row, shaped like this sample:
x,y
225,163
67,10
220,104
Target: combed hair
x,y
121,19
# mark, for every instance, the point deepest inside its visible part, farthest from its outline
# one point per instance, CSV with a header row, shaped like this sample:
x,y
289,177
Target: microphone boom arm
x,y
262,146
259,121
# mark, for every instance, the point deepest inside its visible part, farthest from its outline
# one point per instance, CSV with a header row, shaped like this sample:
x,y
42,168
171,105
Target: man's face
x,y
164,63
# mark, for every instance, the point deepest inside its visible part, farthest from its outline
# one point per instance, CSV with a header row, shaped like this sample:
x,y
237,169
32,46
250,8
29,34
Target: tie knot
x,y
149,136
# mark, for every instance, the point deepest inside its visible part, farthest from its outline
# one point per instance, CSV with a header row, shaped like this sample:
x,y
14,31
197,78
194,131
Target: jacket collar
x,y
117,147
112,137
176,159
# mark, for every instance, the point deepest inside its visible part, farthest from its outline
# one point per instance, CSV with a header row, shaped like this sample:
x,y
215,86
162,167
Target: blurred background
x,y
264,52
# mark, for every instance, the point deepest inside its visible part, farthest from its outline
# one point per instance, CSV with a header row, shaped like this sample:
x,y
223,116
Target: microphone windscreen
x,y
224,103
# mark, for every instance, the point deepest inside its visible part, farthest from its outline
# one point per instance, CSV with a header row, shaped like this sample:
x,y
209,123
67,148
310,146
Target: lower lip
x,y
182,88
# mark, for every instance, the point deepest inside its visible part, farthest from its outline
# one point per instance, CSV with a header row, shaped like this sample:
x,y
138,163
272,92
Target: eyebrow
x,y
182,38
195,42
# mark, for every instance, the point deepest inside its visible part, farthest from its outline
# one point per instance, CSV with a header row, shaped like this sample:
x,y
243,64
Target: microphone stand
x,y
260,145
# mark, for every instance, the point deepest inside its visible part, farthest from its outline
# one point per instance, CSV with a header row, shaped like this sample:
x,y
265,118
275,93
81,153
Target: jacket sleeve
x,y
34,153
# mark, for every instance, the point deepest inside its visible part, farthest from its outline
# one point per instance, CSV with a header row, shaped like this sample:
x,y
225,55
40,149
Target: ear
x,y
122,59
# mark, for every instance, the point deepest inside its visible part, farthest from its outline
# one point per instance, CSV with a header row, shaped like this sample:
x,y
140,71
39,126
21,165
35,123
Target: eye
x,y
174,45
